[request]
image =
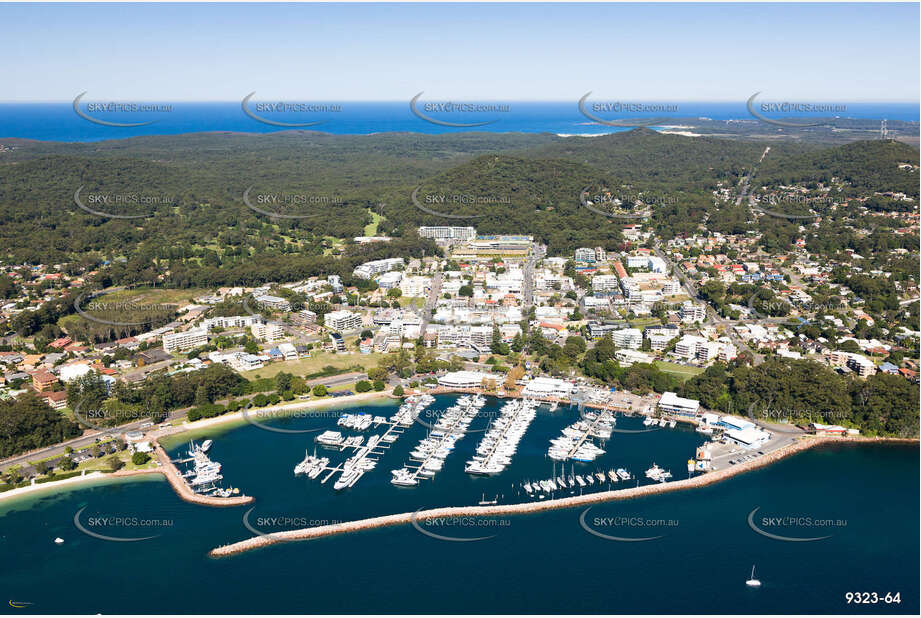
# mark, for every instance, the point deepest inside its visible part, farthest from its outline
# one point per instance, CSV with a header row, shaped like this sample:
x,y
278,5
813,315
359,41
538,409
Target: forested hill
x,y
201,232
867,165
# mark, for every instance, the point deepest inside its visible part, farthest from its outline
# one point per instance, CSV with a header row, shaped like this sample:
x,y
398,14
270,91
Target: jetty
x,y
182,489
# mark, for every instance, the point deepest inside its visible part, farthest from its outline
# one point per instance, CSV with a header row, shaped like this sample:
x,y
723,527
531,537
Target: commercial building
x,y
442,232
605,283
465,379
671,403
547,387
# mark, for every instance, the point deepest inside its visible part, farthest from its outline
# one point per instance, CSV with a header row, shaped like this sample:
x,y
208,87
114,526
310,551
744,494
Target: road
x,y
431,302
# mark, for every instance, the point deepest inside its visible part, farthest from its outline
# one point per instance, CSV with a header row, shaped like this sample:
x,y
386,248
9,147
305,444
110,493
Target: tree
x,y
379,385
398,391
319,390
363,386
139,458
377,373
201,396
465,290
66,463
115,463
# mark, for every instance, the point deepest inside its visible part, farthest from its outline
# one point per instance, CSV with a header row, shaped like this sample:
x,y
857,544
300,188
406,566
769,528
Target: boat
x,y
58,540
623,474
329,438
206,445
612,475
600,476
648,421
672,423
483,501
580,480
554,406
589,479
404,478
751,582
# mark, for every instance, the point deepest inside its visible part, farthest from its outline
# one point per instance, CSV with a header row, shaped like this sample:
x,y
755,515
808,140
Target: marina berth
x,y
576,442
500,443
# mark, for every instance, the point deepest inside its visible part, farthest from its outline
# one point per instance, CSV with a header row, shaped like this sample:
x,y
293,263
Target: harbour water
x,y
700,551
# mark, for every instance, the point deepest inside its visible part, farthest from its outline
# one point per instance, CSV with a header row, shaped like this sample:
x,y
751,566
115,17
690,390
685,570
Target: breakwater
x,y
185,492
536,507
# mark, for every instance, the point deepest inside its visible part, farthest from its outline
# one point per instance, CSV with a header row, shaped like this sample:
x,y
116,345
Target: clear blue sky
x,y
512,52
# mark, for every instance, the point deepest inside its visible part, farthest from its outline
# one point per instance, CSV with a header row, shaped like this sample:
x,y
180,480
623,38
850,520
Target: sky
x,y
473,52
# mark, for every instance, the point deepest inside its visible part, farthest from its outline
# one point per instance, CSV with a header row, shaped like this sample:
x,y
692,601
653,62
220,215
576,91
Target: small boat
x,y
612,475
58,541
206,445
672,423
554,406
752,582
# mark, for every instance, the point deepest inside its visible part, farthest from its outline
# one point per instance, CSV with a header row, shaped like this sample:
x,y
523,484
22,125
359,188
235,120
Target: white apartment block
x,y
691,312
584,254
267,332
631,338
342,320
605,283
185,340
686,347
232,321
442,232
658,341
369,269
273,302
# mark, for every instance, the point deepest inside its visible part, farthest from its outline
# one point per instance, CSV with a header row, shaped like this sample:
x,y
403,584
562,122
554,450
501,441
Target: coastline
x,y
703,480
236,418
178,486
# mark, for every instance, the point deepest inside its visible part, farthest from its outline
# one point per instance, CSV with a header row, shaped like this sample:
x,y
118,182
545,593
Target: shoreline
x,y
74,482
703,480
237,417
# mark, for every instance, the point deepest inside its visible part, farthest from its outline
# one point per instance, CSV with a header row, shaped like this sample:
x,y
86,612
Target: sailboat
x,y
752,582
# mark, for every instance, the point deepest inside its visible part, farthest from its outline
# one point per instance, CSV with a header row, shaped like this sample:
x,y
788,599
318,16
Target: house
x,y
56,399
148,357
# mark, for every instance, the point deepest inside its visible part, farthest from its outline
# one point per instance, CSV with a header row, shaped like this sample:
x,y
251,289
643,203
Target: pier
x,y
169,470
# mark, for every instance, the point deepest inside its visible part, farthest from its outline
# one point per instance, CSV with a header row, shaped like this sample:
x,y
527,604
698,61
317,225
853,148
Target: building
x,y
56,399
827,430
369,269
335,283
389,280
342,320
268,332
275,303
631,338
671,403
337,341
185,340
73,371
861,365
686,347
465,379
584,254
232,321
692,312
442,232
547,387
596,330
44,381
288,351
748,438
605,283
304,318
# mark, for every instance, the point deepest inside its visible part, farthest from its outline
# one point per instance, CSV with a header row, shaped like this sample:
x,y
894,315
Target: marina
x,y
204,475
500,443
366,455
576,442
428,458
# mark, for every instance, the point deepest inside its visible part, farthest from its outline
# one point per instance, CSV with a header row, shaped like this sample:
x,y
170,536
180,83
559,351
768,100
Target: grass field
x,y
371,228
681,371
315,363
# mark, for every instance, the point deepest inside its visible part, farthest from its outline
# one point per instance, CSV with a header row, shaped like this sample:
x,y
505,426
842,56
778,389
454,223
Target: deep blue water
x,y
58,122
543,563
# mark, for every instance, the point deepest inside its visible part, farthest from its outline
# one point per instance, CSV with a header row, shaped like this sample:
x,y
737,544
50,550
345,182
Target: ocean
x,y
59,122
699,552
